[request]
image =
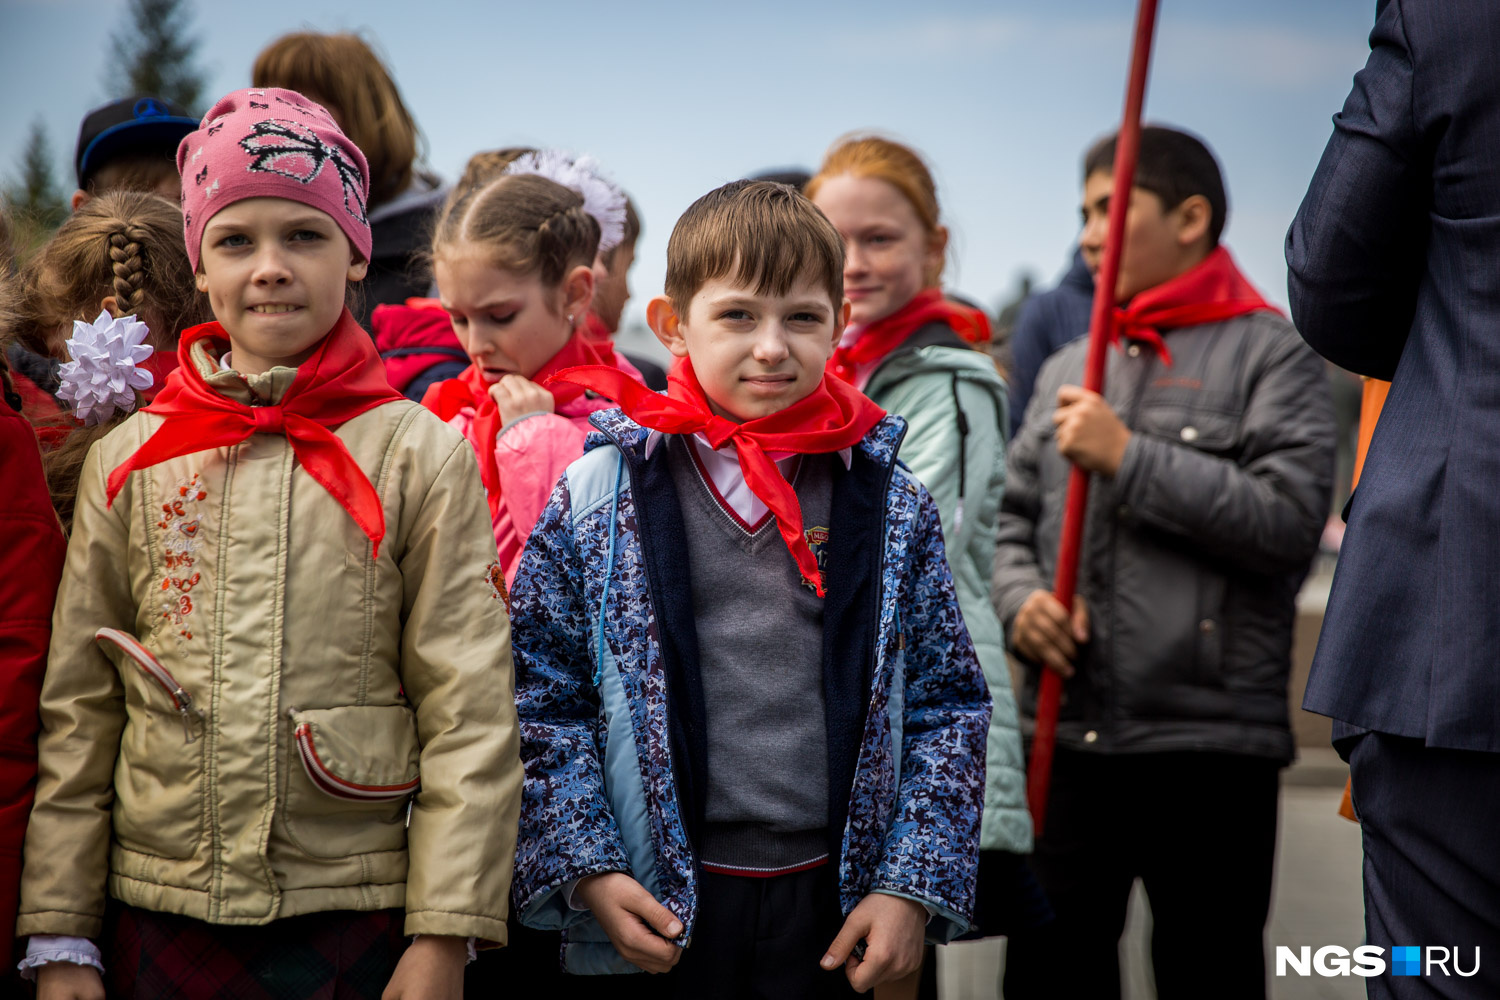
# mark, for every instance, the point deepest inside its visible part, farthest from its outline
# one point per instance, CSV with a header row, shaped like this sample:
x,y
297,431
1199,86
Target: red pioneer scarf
x,y
832,417
1210,291
470,389
160,364
885,335
599,338
342,379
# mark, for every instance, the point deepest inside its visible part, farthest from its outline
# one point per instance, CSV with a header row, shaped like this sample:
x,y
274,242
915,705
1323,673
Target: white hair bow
x,y
105,373
602,198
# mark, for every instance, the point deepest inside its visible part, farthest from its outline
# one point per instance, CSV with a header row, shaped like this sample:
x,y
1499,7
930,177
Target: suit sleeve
x,y
31,559
1355,252
456,668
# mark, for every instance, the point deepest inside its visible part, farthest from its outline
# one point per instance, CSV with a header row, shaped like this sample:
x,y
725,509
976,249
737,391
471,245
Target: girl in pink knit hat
x,y
270,755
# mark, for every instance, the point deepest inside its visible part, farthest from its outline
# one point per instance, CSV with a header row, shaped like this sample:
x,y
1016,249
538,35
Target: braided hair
x,y
125,245
523,223
127,261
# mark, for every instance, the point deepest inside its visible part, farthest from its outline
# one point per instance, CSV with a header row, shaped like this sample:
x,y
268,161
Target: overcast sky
x,y
1001,97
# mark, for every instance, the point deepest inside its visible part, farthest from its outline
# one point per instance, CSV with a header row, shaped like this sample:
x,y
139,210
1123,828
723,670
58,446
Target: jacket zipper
x,y
890,471
342,788
182,701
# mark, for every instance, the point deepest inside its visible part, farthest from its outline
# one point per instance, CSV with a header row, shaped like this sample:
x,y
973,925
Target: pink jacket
x,y
531,455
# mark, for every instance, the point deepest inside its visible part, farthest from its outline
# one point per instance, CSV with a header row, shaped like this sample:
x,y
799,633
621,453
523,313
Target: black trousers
x,y
756,939
1430,821
1199,830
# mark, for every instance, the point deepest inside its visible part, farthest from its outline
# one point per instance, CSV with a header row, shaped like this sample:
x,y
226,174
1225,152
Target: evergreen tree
x,y
36,196
154,54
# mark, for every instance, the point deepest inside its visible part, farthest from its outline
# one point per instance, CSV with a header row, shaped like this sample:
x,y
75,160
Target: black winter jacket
x,y
1194,552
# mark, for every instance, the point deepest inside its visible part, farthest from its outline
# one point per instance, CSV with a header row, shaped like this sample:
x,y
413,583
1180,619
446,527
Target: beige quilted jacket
x,y
246,717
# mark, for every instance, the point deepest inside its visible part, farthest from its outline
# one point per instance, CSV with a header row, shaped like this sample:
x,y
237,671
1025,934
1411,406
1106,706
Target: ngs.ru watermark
x,y
1369,960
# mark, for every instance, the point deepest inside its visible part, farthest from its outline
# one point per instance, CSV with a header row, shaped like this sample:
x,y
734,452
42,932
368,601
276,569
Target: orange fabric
x,y
1370,405
1369,414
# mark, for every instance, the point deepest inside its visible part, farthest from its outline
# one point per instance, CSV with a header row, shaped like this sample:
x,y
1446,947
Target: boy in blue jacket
x,y
752,720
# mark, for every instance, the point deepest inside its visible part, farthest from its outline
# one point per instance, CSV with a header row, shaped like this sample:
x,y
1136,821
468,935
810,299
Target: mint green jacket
x,y
955,406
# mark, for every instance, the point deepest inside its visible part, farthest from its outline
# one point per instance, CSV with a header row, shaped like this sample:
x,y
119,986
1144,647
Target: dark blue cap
x,y
136,124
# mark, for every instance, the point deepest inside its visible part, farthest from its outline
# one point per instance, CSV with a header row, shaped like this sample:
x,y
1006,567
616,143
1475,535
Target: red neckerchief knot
x,y
1211,291
268,419
470,389
883,336
342,379
834,416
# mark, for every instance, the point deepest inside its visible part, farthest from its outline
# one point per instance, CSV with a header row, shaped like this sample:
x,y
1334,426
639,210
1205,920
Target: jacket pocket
x,y
351,774
159,773
1199,425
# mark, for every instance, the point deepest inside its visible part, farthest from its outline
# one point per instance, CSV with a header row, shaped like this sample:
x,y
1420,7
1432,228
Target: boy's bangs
x,y
766,237
774,266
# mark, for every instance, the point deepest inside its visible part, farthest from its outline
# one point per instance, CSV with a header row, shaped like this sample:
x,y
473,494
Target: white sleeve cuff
x,y
44,948
472,946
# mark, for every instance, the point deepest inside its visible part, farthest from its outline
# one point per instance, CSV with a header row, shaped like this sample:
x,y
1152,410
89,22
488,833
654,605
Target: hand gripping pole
x,y
1127,149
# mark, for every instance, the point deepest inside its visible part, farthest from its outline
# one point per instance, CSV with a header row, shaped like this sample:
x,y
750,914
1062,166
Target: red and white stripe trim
x,y
342,788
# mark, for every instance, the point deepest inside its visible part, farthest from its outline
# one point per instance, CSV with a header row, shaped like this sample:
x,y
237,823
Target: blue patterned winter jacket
x,y
611,706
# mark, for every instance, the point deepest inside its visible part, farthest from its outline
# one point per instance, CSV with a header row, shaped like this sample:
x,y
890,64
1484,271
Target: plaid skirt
x,y
339,955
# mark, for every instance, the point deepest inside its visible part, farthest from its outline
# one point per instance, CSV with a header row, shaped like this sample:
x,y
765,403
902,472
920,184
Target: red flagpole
x,y
1127,148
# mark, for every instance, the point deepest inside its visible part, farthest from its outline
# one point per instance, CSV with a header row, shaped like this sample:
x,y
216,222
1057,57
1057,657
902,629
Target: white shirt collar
x,y
723,468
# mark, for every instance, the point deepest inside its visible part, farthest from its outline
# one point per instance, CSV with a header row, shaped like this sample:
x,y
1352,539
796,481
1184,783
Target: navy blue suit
x,y
1394,272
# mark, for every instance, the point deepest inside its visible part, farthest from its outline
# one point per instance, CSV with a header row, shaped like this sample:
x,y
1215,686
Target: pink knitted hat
x,y
272,143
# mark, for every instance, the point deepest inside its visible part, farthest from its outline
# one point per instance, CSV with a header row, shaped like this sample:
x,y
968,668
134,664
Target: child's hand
x,y
66,981
639,927
892,929
1043,634
1089,434
517,395
431,969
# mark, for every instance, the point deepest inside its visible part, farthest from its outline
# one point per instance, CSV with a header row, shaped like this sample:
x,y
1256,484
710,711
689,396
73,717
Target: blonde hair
x,y
766,234
524,223
127,244
344,74
898,165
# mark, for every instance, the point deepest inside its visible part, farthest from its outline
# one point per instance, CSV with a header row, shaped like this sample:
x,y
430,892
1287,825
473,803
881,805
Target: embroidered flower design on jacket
x,y
293,150
180,519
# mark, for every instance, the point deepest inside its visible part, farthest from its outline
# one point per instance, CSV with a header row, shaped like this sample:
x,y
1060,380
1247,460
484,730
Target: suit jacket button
x,y
1134,350
1091,736
1207,626
1190,434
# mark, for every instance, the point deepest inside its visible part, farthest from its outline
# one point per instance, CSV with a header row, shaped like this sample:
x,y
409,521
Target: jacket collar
x,y
264,389
879,445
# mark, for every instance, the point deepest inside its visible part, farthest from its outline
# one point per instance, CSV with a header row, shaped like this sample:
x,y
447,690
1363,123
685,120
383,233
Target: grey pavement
x,y
1317,900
